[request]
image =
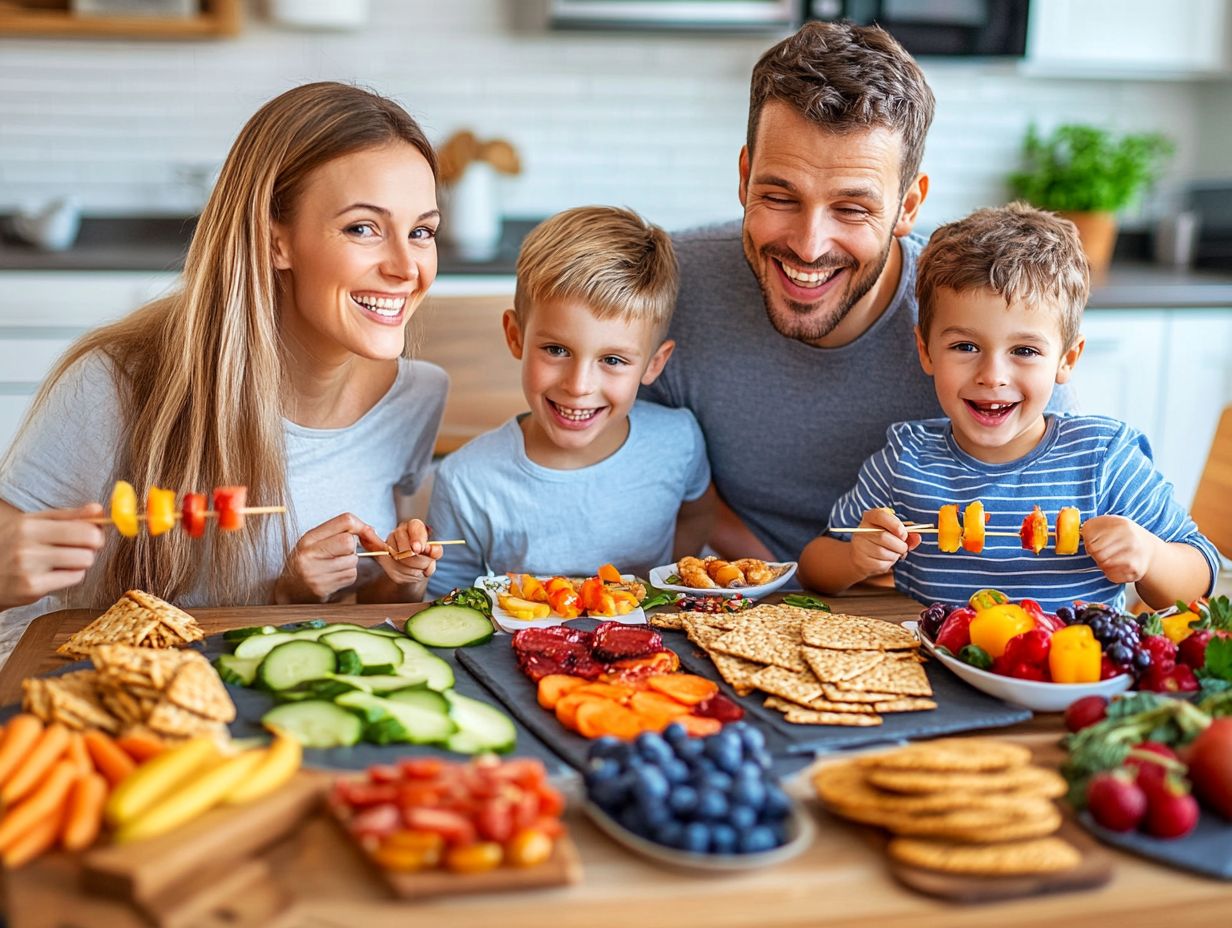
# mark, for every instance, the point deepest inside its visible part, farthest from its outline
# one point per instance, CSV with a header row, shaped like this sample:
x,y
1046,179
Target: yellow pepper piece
x,y
986,599
1069,525
973,527
159,510
1075,655
124,508
1177,627
992,628
949,534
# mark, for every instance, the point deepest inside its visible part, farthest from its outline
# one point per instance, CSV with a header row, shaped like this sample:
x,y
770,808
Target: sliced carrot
x,y
48,749
45,802
77,753
84,814
614,691
556,685
658,710
683,687
567,707
20,734
609,574
698,726
108,758
140,747
596,718
37,840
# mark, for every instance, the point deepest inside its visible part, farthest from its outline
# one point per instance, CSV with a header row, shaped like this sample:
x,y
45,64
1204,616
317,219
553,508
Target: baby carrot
x,y
19,736
34,842
110,760
84,812
78,754
140,747
46,751
44,803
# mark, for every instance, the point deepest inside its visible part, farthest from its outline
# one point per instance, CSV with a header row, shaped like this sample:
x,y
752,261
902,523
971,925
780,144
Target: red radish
x,y
1085,711
1151,773
1115,800
1171,811
1210,766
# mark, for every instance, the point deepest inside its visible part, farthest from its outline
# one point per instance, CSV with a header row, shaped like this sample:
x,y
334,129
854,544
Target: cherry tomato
x,y
529,848
475,858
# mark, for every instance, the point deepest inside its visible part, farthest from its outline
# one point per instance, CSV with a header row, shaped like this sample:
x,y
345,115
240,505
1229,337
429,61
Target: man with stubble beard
x,y
794,328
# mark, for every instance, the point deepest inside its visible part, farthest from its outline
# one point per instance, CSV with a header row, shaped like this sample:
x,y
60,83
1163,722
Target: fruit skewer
x,y
1034,533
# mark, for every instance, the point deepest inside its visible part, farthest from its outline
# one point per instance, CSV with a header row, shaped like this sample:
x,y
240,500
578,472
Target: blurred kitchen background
x,y
123,121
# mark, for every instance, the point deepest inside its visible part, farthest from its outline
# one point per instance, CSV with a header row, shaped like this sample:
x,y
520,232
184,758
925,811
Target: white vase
x,y
472,222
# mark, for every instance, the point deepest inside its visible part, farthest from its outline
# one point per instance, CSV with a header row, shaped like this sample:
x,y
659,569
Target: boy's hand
x,y
877,553
1122,548
414,568
323,561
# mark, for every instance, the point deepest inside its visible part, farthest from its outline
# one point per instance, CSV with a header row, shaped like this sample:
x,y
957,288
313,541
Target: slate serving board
x,y
1206,850
960,708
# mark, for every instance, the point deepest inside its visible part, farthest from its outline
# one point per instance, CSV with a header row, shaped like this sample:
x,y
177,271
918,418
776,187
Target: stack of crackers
x,y
968,806
174,694
818,668
137,619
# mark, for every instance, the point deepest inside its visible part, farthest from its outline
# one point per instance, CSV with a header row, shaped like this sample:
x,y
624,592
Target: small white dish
x,y
1039,697
494,586
800,831
659,575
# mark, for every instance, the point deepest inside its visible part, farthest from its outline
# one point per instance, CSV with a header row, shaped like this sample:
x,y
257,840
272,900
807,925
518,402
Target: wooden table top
x,y
841,880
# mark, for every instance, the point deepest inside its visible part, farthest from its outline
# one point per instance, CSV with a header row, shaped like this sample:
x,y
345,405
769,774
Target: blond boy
x,y
1001,296
589,475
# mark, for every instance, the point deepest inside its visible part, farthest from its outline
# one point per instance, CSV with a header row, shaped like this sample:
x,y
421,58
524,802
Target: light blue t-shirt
x,y
519,516
1098,465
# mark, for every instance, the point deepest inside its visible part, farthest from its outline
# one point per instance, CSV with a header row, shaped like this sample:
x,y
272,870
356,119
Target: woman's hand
x,y
876,553
323,561
412,569
41,552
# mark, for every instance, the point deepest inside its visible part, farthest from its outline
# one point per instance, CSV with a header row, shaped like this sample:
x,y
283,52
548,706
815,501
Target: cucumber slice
x,y
239,671
349,662
306,625
419,661
418,696
239,634
481,727
315,633
380,684
377,654
330,688
293,662
449,627
260,645
387,630
315,723
419,725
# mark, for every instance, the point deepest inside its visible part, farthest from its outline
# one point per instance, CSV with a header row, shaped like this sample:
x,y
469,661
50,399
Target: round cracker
x,y
1013,858
1021,781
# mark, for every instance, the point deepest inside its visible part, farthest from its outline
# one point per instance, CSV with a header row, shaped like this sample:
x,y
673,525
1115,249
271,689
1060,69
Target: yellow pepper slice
x,y
949,534
1177,627
159,510
124,508
992,628
1075,655
1069,524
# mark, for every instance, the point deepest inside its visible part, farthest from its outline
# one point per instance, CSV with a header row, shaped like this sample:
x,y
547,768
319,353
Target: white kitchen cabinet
x,y
1168,373
1129,38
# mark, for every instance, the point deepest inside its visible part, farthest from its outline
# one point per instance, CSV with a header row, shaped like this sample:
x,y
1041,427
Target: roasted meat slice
x,y
615,641
544,640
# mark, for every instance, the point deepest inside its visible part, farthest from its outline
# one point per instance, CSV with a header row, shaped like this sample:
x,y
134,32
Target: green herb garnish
x,y
805,601
469,596
656,597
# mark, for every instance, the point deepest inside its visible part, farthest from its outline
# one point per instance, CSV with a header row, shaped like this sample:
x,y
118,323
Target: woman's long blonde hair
x,y
200,374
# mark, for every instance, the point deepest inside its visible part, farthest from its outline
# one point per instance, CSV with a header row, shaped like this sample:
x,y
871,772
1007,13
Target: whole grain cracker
x,y
834,694
903,678
197,688
800,688
846,785
126,622
906,704
1011,858
170,617
736,671
856,633
669,621
814,717
766,644
831,665
819,705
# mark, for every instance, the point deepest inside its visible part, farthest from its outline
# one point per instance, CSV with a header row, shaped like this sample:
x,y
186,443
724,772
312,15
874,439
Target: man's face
x,y
821,211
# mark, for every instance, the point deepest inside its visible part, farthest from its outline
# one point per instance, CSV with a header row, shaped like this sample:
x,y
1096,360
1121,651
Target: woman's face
x,y
358,254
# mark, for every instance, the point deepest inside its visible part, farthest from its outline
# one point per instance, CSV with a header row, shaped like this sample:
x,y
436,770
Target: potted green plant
x,y
1086,174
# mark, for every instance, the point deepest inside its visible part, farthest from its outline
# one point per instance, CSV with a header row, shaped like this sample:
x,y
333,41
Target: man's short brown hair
x,y
611,259
1021,253
845,77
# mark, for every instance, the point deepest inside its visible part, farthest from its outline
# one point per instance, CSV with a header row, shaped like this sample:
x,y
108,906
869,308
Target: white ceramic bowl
x,y
800,829
1039,697
659,575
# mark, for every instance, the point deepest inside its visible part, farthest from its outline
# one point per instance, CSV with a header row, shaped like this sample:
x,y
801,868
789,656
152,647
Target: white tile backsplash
x,y
654,122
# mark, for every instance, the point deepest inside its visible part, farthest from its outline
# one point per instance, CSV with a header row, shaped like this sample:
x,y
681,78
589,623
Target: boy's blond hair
x,y
611,259
1021,253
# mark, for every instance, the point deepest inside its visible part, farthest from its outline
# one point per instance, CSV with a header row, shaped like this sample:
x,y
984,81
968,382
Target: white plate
x,y
494,586
800,831
659,575
1039,697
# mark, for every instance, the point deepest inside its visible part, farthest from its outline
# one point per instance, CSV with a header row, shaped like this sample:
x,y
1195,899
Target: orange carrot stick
x,y
77,753
34,842
20,734
46,751
84,813
44,803
112,762
140,747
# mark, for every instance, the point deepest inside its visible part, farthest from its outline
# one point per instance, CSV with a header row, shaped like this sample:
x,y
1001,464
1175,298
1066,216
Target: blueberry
x,y
712,805
696,838
676,771
777,803
602,769
651,783
756,840
730,760
725,742
753,739
749,792
703,767
722,838
675,734
1066,614
608,747
654,811
669,833
716,780
689,749
762,758
653,748
608,794
632,818
683,800
742,817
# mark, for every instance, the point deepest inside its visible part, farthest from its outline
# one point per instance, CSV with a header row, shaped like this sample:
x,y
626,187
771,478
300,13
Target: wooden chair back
x,y
1212,505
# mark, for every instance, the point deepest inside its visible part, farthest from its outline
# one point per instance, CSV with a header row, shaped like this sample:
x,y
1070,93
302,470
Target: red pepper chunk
x,y
192,514
1034,532
228,503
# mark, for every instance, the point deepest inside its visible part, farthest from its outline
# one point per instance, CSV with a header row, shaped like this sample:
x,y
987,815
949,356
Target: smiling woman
x,y
278,366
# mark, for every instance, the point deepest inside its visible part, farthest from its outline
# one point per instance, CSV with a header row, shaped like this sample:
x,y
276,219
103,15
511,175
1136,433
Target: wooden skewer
x,y
400,554
923,530
209,514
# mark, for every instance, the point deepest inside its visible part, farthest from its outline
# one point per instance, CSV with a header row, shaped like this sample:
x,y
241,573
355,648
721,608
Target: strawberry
x,y
1150,773
1085,711
1115,800
1172,812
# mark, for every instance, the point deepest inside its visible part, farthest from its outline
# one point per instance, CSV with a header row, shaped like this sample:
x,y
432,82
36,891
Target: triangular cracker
x,y
856,632
126,622
831,665
196,687
176,620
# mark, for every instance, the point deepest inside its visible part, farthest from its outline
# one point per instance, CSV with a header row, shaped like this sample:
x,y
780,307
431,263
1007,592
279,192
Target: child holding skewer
x,y
1001,294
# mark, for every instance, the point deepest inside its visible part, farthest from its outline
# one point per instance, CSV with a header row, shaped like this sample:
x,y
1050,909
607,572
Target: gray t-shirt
x,y
67,458
787,425
517,515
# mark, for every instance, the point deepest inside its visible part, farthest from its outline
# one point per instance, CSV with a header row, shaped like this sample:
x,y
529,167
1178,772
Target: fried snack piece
x,y
692,571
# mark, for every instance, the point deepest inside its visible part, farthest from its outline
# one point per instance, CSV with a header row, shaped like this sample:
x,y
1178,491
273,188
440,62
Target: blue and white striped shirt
x,y
1097,464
